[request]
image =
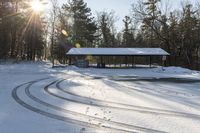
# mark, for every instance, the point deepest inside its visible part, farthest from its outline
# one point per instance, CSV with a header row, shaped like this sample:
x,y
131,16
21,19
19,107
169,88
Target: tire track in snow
x,y
126,126
66,119
115,105
54,116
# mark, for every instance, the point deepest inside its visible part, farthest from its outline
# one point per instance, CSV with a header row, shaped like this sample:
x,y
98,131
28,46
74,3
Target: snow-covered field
x,y
34,98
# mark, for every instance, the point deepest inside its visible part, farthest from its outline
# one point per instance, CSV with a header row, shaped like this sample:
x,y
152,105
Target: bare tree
x,y
54,15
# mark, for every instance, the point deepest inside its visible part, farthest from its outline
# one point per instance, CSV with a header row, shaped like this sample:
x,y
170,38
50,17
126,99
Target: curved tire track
x,y
54,116
131,128
128,107
118,124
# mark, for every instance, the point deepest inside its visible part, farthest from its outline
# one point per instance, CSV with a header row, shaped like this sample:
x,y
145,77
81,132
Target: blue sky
x,y
121,7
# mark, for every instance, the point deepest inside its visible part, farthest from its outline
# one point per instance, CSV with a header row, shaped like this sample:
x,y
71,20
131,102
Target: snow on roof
x,y
117,51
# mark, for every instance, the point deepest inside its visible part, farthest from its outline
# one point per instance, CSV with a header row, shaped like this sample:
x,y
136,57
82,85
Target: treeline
x,y
26,36
178,31
21,31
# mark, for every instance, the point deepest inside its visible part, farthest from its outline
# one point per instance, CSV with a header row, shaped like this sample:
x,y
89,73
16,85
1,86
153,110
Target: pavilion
x,y
127,53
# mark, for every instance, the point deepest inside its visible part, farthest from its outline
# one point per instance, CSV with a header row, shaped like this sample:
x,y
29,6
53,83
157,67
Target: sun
x,y
37,6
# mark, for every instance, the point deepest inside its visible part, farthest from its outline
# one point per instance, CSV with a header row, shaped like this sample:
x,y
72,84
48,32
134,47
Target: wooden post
x,y
164,58
129,61
101,60
70,60
150,61
109,61
115,61
120,61
132,60
126,61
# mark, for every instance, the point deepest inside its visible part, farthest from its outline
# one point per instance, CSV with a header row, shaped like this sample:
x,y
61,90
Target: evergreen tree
x,y
150,20
84,27
5,28
34,40
174,37
106,36
188,29
20,30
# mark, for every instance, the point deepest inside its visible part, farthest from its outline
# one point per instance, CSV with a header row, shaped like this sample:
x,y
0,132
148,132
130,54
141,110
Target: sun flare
x,y
37,6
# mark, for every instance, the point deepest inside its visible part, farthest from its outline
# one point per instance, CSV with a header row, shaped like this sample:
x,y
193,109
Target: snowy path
x,y
53,115
164,113
79,118
44,100
122,106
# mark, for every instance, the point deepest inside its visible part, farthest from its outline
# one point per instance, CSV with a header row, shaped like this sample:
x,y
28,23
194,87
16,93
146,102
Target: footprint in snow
x,y
82,130
99,124
87,110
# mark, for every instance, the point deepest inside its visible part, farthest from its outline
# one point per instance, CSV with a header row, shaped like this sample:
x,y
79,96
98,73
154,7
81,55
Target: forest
x,y
30,34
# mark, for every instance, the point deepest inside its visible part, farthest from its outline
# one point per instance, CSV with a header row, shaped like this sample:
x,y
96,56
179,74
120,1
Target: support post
x,y
101,65
129,61
70,60
126,61
114,59
109,61
120,58
132,60
150,61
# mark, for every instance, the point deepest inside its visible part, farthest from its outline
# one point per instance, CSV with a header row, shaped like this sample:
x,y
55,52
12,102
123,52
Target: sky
x,y
121,7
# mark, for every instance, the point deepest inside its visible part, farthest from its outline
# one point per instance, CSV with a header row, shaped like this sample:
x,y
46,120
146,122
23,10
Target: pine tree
x,y
188,29
5,28
84,27
21,32
150,21
105,22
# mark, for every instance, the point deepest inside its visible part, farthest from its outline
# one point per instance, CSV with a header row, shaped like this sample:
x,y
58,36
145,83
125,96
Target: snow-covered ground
x,y
34,98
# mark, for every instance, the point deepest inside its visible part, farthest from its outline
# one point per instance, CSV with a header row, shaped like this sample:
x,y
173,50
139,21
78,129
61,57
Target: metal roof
x,y
118,51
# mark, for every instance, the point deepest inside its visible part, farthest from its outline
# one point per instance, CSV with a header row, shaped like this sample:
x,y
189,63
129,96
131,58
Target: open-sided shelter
x,y
117,52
